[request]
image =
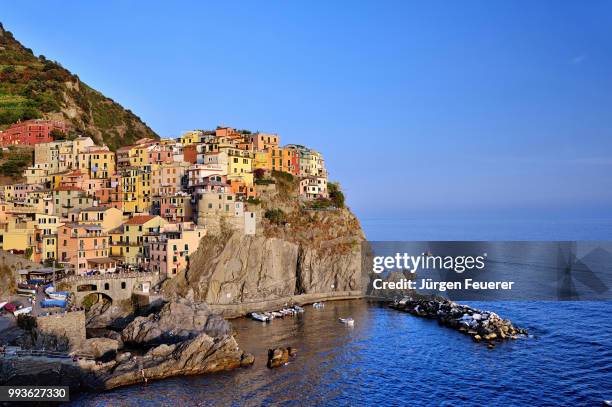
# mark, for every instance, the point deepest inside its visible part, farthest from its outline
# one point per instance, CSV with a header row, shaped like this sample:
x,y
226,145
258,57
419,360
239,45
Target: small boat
x,y
347,321
297,308
268,315
20,311
259,317
277,314
25,292
287,311
53,303
318,305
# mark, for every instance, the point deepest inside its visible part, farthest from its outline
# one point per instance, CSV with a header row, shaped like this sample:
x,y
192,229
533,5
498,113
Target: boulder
x,y
280,356
100,348
247,359
177,321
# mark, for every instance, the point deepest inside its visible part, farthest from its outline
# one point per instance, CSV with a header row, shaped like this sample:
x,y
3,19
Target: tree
x,y
57,134
335,194
259,173
275,216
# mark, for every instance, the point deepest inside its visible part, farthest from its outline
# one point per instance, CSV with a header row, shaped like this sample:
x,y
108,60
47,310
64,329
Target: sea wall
x,y
68,324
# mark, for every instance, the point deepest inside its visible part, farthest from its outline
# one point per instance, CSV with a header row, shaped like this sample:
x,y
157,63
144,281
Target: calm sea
x,y
392,358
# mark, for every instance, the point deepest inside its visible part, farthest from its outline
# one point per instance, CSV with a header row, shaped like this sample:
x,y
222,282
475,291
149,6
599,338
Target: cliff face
x,y
310,252
35,87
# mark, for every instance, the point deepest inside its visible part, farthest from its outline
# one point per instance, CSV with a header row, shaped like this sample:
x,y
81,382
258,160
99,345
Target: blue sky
x,y
469,108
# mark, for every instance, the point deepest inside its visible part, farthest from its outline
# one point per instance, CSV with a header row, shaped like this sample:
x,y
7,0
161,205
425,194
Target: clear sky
x,y
425,108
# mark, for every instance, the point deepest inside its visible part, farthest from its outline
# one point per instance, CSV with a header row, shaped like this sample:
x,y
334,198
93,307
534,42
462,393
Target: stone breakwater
x,y
483,326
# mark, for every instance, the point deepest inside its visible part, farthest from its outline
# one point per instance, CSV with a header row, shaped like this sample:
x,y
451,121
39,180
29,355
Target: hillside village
x,y
146,206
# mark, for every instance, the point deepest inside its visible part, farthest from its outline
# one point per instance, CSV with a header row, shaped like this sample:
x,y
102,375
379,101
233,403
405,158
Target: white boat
x,y
57,296
287,311
297,308
259,317
347,321
277,314
318,305
268,315
25,310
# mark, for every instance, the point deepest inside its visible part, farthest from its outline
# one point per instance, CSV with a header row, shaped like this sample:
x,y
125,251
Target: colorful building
x,y
31,132
170,248
78,244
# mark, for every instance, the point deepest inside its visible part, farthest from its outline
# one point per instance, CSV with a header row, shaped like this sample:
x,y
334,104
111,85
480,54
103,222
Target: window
x,y
123,285
106,286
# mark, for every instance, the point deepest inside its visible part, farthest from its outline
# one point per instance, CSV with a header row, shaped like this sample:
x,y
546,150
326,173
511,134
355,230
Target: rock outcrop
x,y
280,356
100,348
201,343
314,252
485,326
177,321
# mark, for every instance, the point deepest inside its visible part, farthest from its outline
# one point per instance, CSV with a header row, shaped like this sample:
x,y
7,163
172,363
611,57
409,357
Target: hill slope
x,y
35,87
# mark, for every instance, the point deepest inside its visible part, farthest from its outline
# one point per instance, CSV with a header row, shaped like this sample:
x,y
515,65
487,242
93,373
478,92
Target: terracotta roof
x,y
68,189
139,220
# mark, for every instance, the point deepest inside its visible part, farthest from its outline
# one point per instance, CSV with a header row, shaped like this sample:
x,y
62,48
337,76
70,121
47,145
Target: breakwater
x,y
482,326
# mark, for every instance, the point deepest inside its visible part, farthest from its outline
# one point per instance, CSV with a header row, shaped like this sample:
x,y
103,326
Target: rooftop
x,y
139,220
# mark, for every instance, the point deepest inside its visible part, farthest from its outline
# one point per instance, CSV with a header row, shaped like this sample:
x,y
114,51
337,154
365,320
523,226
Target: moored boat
x,y
347,321
259,317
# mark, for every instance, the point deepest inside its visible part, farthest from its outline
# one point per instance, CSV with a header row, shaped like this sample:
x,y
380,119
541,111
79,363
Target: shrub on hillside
x,y
275,216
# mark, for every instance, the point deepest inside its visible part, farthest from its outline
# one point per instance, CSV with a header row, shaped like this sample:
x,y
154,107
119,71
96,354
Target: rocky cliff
x,y
183,338
306,252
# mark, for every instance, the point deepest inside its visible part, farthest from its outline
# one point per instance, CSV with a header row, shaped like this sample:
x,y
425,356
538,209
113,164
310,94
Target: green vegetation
x,y
282,176
15,162
89,301
335,194
253,201
286,184
321,203
34,87
276,216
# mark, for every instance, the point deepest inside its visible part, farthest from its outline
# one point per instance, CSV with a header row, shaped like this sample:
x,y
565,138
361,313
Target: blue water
x,y
393,358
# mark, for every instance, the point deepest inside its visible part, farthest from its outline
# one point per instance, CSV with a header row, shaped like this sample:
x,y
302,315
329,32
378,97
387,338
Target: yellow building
x,y
46,237
56,179
131,238
106,217
136,185
191,137
261,161
17,233
240,165
98,163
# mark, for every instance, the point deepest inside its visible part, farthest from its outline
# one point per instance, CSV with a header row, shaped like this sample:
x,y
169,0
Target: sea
x,y
396,359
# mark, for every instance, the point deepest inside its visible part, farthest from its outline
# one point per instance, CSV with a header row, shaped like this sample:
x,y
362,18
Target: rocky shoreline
x,y
483,326
182,338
